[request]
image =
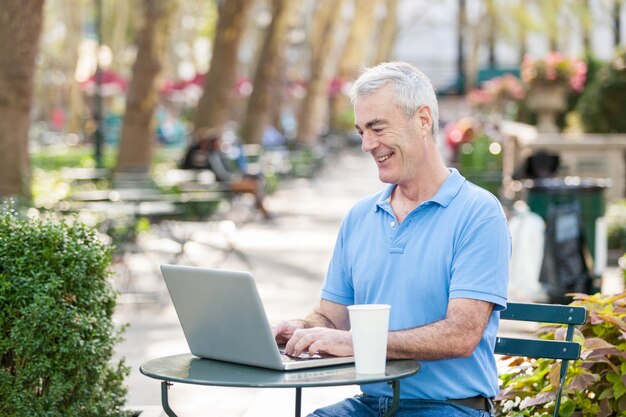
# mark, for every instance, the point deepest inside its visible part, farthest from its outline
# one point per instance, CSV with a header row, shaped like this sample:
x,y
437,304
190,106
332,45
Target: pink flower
x,y
579,75
528,69
554,68
478,97
497,90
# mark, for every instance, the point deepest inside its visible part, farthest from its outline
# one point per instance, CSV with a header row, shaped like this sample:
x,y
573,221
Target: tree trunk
x,y
550,12
270,60
521,13
315,103
122,29
136,138
356,52
477,32
617,24
388,33
73,12
214,104
492,28
20,29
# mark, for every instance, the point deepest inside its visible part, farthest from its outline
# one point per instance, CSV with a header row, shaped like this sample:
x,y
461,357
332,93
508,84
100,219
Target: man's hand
x,y
325,330
284,330
320,340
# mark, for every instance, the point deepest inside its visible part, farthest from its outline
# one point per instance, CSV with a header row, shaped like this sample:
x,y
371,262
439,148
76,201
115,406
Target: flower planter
x,y
548,101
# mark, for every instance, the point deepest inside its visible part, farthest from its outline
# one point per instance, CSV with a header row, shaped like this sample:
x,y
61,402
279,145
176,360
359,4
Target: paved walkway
x,y
288,257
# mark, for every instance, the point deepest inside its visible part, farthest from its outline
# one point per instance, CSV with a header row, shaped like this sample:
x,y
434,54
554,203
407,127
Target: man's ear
x,y
424,118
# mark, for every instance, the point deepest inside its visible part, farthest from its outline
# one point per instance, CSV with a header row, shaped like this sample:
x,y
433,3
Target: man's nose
x,y
368,142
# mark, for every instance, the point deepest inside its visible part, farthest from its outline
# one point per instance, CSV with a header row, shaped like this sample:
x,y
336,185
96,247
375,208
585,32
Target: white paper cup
x,y
369,326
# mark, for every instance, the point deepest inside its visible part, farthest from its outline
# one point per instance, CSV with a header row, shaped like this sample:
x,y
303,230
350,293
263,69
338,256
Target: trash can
x,y
570,208
587,192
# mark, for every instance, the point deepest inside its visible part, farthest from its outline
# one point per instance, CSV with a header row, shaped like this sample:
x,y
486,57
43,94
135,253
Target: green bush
x,y
56,331
595,384
601,106
480,161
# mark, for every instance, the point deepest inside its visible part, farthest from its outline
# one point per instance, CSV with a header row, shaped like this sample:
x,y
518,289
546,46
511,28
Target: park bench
x,y
564,351
78,175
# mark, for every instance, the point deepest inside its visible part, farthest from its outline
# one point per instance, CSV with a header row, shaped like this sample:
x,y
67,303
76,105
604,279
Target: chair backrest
x,y
538,348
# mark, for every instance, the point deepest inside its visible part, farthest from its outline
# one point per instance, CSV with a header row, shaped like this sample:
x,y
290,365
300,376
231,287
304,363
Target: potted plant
x,y
548,81
497,95
595,385
56,331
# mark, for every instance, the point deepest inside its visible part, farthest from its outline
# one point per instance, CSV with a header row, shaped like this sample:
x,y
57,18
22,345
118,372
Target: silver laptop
x,y
223,318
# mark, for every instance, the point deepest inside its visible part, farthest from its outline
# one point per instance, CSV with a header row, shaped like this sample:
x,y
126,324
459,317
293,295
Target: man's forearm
x,y
456,336
431,342
316,319
328,314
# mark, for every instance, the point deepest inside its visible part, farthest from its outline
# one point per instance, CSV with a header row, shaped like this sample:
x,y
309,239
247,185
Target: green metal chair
x,y
536,348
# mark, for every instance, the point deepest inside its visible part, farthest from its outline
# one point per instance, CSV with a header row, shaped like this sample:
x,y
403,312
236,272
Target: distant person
x,y
205,153
272,138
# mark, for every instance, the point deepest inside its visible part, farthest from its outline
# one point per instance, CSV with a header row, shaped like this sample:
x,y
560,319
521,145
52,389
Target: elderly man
x,y
432,245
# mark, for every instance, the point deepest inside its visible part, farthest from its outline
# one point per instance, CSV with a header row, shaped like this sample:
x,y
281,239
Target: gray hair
x,y
412,88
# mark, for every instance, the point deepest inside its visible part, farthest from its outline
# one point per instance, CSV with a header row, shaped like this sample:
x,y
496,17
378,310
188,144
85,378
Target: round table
x,y
190,369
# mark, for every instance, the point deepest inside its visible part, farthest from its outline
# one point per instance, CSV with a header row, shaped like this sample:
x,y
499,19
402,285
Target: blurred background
x,y
118,89
100,99
118,82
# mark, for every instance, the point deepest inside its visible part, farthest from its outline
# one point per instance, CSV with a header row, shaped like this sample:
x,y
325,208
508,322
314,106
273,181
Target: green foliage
x,y
305,161
76,157
56,330
601,105
480,161
595,384
50,159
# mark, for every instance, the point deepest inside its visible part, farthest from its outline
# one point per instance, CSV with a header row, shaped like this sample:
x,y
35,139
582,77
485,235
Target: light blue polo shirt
x,y
456,245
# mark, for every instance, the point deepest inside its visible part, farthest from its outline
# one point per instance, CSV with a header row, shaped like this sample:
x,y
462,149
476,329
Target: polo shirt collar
x,y
450,188
446,193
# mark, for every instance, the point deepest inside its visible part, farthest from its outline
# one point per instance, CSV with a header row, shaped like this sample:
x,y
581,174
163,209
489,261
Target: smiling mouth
x,y
381,159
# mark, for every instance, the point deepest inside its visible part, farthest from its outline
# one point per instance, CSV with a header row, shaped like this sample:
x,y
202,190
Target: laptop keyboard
x,y
303,356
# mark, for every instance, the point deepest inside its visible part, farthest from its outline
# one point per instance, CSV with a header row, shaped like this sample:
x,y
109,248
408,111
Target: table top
x,y
190,369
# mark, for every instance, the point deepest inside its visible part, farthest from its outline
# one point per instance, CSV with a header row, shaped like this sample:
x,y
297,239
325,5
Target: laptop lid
x,y
222,317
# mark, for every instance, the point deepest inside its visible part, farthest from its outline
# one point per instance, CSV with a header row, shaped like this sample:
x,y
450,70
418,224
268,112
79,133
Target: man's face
x,y
393,141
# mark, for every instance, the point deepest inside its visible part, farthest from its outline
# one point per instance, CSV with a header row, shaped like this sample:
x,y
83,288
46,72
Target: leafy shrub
x,y
480,161
595,384
56,330
601,106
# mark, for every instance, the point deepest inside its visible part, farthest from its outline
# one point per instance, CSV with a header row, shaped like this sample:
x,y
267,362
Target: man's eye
x,y
377,130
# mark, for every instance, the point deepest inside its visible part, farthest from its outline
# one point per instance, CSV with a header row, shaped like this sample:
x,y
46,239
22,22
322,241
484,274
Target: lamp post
x,y
97,103
617,24
460,50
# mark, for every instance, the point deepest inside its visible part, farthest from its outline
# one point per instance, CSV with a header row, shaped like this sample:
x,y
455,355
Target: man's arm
x,y
326,330
456,336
